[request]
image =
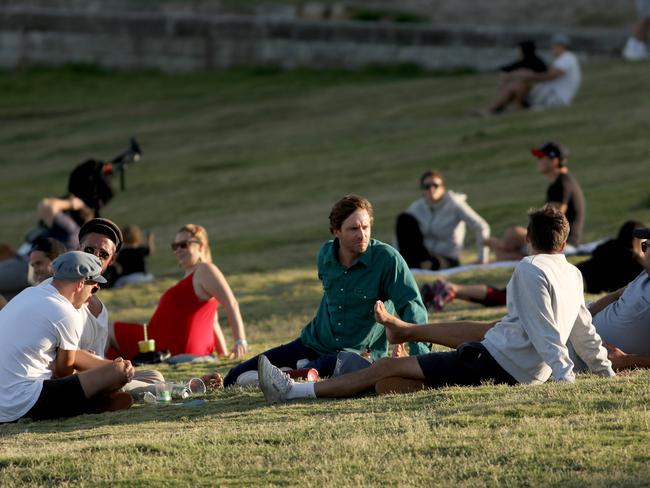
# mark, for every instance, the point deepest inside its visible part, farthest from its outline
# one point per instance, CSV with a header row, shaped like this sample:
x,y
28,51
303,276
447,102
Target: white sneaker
x,y
273,382
635,50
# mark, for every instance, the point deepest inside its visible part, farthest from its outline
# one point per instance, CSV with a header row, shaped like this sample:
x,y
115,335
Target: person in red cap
x,y
564,193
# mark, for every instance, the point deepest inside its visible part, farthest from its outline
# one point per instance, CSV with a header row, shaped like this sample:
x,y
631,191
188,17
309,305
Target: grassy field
x,y
258,158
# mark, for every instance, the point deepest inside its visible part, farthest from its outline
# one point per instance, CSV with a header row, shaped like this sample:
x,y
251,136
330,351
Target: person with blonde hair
x,y
185,320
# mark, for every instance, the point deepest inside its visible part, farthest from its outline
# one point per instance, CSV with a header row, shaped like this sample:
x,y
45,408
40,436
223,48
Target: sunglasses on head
x,y
100,253
644,246
428,186
183,244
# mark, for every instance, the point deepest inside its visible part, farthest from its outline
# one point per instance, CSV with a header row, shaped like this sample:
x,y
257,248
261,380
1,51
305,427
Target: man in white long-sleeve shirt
x,y
546,309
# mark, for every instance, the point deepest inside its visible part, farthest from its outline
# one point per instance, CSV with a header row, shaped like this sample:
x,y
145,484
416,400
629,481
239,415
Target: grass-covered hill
x,y
258,158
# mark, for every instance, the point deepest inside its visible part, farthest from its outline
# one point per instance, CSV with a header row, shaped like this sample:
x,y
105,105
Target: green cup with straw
x,y
147,345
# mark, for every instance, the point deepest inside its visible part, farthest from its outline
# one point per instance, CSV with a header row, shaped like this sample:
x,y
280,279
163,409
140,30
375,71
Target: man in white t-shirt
x,y
546,310
555,87
40,331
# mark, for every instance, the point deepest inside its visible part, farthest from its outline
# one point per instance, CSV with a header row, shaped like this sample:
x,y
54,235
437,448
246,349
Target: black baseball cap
x,y
550,149
105,227
642,233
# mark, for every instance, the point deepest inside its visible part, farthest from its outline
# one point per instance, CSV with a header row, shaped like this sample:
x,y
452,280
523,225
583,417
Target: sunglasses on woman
x,y
428,186
183,244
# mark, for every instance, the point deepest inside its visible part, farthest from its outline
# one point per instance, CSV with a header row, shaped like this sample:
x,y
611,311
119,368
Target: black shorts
x,y
470,364
62,397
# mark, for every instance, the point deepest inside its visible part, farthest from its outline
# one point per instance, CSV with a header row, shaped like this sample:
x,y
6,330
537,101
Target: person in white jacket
x,y
546,310
430,234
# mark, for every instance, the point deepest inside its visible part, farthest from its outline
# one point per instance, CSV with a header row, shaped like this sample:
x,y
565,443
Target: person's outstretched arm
x,y
603,302
212,283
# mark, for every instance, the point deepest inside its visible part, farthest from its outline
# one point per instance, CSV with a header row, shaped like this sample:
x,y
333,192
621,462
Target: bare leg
x,y
469,292
398,385
104,379
352,384
510,247
513,90
450,334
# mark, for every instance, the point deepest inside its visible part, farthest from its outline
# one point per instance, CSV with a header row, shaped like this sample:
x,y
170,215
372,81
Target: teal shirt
x,y
345,320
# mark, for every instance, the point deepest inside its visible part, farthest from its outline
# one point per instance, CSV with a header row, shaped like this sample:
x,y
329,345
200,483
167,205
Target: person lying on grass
x,y
546,309
40,330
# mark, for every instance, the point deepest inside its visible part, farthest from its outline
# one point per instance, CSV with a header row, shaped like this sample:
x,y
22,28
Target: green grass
x,y
258,157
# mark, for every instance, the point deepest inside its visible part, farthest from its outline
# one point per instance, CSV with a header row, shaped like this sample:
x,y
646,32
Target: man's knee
x,y
384,367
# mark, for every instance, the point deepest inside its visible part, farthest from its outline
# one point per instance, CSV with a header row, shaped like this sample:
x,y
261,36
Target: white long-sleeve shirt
x,y
443,225
546,309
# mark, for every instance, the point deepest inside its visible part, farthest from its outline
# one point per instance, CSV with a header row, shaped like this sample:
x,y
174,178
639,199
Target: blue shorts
x,y
469,365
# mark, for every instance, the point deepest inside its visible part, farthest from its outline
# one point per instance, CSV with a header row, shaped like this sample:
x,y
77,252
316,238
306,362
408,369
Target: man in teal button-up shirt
x,y
356,271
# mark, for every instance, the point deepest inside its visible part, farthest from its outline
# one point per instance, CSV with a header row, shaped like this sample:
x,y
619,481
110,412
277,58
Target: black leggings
x,y
411,245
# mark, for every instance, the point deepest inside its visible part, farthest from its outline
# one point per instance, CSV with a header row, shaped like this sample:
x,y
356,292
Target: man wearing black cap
x,y
37,362
564,192
103,238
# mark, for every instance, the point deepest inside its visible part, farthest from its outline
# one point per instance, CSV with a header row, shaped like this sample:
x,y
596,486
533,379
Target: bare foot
x,y
395,331
213,381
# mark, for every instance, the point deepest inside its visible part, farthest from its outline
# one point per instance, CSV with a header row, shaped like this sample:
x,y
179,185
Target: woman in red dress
x,y
185,321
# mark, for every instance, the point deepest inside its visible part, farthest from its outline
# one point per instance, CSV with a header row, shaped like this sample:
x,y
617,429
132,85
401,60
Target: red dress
x,y
181,323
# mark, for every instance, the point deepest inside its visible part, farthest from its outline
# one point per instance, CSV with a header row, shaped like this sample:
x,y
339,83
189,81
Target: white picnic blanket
x,y
582,249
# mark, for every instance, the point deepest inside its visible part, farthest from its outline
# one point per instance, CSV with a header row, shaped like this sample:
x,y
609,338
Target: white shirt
x,y
33,325
546,309
442,225
566,85
95,332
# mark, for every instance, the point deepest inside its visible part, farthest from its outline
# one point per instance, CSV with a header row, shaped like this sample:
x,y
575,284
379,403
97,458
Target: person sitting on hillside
x,y
613,264
546,310
60,219
130,265
355,271
184,321
431,232
555,87
527,59
40,330
621,318
563,192
44,251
